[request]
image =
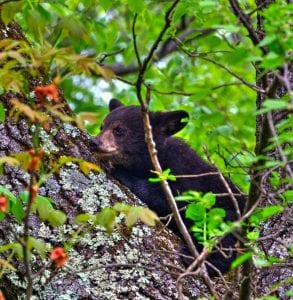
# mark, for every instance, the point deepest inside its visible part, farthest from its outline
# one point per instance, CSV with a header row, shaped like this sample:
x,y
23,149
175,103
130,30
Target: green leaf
x,y
189,196
195,212
267,40
272,60
208,200
106,219
165,175
57,218
216,215
9,10
241,259
148,217
106,4
140,213
82,218
289,293
288,196
15,247
262,214
254,235
136,6
39,246
44,209
272,210
122,207
2,113
17,209
270,298
273,104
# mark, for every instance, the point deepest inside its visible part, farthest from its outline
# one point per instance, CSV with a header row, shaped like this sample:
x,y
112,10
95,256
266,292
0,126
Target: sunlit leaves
x,y
33,115
85,166
107,216
208,220
135,213
165,175
83,118
37,245
2,113
262,214
241,259
273,104
9,10
5,264
15,248
43,206
106,219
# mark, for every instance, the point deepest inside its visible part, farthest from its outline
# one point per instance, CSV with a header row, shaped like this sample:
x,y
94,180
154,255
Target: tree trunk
x,y
276,233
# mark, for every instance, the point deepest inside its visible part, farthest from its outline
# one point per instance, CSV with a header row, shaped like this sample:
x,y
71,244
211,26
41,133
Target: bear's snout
x,y
104,143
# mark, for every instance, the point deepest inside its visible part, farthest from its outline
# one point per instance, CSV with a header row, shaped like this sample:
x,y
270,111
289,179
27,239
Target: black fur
x,y
129,163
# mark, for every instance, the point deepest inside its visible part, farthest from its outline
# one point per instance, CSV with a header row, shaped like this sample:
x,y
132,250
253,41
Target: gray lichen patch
x,y
71,130
46,141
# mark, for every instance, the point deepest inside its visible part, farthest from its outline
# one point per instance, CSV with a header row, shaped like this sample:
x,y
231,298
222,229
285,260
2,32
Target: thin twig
x,y
25,246
134,41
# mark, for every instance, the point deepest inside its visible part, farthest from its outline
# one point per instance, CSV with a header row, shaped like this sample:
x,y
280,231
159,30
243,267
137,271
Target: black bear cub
x,y
124,155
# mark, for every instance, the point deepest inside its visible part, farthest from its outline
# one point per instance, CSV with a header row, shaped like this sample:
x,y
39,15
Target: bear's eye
x,y
118,130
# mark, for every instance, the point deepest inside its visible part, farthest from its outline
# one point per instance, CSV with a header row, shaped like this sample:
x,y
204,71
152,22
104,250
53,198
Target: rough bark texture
x,y
277,231
125,265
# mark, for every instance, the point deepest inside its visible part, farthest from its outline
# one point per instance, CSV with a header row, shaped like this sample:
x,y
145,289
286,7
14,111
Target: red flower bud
x,y
3,205
32,152
59,256
47,91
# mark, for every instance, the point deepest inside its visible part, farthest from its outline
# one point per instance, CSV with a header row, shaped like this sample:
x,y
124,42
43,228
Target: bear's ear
x,y
171,122
114,103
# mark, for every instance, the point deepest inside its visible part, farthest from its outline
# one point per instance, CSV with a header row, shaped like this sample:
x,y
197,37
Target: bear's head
x,y
122,140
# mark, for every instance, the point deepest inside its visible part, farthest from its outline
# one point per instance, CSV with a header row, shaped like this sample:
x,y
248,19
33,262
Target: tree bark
x,y
276,233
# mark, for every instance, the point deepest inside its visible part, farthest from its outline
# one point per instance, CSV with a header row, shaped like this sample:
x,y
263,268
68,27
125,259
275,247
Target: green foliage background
x,y
221,107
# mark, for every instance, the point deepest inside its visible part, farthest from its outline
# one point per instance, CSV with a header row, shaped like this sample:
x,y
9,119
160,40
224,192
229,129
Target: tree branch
x,y
245,20
134,41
